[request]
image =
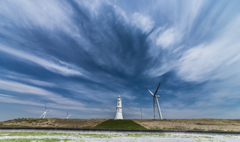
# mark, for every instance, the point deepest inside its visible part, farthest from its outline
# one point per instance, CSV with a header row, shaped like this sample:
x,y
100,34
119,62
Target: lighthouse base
x,y
118,115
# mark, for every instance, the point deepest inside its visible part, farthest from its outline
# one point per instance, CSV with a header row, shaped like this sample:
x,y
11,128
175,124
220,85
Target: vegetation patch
x,y
119,124
140,135
95,136
34,140
189,136
32,134
230,136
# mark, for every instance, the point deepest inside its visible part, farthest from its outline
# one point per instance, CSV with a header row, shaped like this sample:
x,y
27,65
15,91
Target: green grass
x,y
119,124
2,134
140,135
229,136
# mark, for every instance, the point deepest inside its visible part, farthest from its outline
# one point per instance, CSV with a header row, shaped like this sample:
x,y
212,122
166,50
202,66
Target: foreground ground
x,y
165,124
66,136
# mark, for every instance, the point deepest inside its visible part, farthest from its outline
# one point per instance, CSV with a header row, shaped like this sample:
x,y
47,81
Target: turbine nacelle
x,y
156,96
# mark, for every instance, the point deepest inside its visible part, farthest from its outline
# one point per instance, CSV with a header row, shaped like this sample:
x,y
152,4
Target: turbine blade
x,y
157,89
41,115
151,92
159,109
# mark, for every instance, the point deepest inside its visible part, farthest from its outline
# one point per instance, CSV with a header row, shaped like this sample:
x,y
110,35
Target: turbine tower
x,y
155,97
68,115
119,109
45,112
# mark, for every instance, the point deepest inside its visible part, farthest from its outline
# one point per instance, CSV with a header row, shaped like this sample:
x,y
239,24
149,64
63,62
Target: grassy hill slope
x,y
119,124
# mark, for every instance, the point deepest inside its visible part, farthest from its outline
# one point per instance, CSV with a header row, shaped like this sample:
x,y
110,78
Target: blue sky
x,y
79,56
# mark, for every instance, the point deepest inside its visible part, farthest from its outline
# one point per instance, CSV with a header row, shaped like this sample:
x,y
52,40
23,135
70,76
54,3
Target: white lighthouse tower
x,y
119,109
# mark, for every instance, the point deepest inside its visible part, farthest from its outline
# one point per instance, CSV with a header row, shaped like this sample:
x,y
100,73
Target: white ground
x,y
126,137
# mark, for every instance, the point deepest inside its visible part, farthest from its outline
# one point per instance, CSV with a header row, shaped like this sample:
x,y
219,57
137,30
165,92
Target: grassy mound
x,y
119,124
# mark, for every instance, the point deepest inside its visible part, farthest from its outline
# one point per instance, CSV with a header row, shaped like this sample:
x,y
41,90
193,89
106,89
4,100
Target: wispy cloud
x,y
42,93
57,66
13,100
55,110
169,37
45,14
143,22
217,59
25,78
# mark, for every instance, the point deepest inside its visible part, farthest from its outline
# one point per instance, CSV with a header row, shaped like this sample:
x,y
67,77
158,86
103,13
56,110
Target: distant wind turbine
x,y
68,115
44,113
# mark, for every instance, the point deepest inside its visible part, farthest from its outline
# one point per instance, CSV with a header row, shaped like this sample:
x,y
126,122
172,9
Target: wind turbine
x,y
155,97
68,115
45,112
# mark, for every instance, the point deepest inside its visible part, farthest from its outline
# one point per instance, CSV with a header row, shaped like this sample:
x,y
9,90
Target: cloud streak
x,y
42,93
61,68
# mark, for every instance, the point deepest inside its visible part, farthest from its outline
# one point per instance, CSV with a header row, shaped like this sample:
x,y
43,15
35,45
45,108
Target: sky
x,y
79,56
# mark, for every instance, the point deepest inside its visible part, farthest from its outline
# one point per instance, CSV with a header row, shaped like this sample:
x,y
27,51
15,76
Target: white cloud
x,y
51,106
45,14
10,99
218,63
25,78
61,68
210,58
185,19
169,37
121,12
106,98
218,59
40,83
163,68
22,88
93,6
143,22
127,96
44,94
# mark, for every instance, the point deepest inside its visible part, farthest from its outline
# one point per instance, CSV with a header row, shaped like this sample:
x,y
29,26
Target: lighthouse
x,y
119,109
